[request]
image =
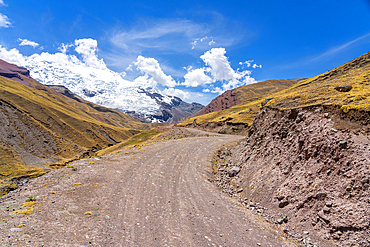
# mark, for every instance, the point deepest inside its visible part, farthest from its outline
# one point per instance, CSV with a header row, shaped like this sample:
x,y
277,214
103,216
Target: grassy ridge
x,y
249,97
318,90
321,89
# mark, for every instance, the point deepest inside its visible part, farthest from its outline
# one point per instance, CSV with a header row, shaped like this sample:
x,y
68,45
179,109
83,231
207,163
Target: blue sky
x,y
195,49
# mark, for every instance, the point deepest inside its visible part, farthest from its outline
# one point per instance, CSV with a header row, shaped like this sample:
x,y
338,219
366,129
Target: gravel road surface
x,y
158,195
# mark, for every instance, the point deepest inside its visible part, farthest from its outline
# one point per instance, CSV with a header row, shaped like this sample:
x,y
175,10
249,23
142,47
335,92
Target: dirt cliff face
x,y
310,164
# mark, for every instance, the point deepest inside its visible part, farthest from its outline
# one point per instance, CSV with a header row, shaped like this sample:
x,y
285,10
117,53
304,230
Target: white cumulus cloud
x,y
150,67
220,66
11,56
4,21
176,92
197,77
25,42
218,69
63,48
88,48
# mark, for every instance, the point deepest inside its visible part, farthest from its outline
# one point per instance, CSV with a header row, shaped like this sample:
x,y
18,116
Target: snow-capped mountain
x,y
102,86
88,76
98,85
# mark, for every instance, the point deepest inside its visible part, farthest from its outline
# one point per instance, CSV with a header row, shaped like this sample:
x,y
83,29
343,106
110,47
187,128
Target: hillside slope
x,y
41,128
346,87
245,94
234,110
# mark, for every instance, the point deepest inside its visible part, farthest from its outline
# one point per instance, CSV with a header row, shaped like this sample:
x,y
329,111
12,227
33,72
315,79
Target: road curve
x,y
156,196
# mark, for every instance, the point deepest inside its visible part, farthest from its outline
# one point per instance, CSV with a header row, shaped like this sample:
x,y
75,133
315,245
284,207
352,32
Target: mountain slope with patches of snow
x,y
88,76
99,85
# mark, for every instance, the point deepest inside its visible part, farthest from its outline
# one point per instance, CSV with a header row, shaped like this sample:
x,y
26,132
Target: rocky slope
x,y
305,160
40,126
226,100
310,164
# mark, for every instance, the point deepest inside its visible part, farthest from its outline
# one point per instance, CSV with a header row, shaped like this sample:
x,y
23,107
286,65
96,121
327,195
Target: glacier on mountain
x,y
101,86
90,78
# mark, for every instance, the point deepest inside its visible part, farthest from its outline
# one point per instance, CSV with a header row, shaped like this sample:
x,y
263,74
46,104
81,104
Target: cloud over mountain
x,y
218,69
78,67
150,66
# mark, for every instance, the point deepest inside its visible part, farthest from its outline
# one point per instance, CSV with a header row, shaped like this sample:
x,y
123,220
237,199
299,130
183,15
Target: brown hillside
x,y
245,94
346,87
40,126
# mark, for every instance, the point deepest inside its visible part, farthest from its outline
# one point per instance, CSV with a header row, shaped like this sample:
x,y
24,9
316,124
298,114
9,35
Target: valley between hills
x,y
276,163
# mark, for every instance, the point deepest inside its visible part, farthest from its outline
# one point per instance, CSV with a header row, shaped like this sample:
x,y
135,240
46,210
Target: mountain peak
x,y
108,88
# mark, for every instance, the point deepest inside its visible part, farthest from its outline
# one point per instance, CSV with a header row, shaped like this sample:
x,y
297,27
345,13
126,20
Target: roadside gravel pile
x,y
306,170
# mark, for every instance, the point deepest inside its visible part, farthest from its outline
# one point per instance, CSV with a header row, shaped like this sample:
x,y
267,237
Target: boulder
x,y
233,171
343,88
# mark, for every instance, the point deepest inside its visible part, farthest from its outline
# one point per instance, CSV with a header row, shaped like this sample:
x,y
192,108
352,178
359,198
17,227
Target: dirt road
x,y
155,196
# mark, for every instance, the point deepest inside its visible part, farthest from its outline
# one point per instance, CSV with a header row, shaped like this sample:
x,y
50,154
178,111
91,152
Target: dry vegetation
x,y
41,128
135,141
248,101
318,90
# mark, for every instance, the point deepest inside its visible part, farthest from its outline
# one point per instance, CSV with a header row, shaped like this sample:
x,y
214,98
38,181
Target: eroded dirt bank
x,y
157,195
222,127
306,170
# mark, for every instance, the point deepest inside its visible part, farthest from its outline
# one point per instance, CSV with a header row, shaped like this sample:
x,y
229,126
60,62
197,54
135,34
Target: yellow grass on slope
x,y
248,98
318,90
321,89
43,127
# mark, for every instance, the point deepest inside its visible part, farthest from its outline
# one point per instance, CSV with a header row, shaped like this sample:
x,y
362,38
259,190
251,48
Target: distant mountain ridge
x,y
105,87
173,111
245,94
